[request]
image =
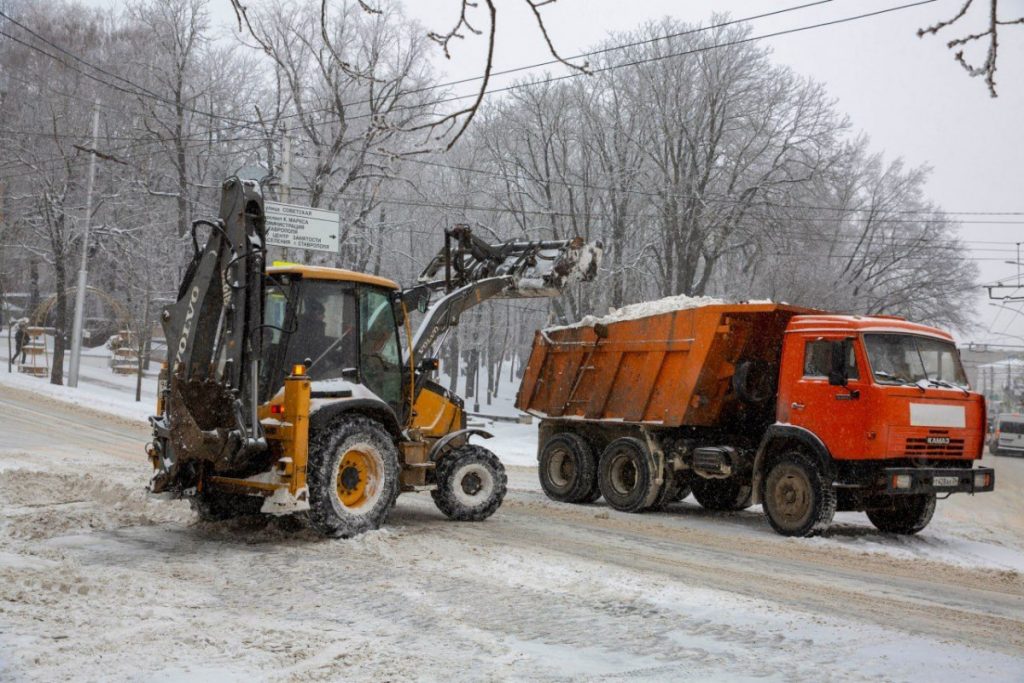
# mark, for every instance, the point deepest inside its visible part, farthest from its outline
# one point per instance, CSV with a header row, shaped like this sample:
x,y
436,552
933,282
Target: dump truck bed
x,y
672,368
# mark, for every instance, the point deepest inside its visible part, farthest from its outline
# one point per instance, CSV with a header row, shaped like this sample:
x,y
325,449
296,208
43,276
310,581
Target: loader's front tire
x,y
567,469
215,506
352,475
905,514
625,475
471,484
722,495
798,497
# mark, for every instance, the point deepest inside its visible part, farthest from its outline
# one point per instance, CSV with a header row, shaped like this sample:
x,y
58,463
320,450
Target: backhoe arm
x,y
213,336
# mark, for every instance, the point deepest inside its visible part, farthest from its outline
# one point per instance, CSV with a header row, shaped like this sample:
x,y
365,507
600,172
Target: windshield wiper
x,y
947,385
903,382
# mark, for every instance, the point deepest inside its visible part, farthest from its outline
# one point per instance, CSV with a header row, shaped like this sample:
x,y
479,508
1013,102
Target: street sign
x,y
301,227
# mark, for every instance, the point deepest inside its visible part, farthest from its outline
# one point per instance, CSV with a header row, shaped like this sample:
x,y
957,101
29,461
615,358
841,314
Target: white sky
x,y
906,93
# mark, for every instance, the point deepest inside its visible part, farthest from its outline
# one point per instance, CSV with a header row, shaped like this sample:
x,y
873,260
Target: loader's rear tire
x,y
471,484
798,498
352,475
723,495
906,514
624,474
216,506
567,469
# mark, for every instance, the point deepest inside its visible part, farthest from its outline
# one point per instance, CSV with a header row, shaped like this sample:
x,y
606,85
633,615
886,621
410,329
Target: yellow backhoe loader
x,y
286,390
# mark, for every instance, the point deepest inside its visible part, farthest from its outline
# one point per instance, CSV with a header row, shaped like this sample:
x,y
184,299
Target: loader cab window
x,y
325,330
380,359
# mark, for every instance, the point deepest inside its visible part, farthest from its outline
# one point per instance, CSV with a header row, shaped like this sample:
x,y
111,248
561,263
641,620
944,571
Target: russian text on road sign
x,y
301,227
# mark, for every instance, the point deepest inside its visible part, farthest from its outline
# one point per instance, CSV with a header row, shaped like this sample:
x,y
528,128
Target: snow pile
x,y
645,309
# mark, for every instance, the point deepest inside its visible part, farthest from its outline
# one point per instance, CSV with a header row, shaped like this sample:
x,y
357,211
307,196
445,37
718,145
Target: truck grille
x,y
934,446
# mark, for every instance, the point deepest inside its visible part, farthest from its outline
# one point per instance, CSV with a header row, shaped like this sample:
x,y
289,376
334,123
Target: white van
x,y
1008,437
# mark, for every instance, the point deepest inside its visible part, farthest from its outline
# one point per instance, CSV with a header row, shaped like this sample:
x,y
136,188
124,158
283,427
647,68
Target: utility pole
x,y
83,273
286,167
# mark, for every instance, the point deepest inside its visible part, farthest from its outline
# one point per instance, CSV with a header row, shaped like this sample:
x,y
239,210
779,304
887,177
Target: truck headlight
x,y
902,481
982,479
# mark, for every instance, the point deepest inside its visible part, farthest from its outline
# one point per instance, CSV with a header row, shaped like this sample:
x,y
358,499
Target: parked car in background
x,y
1008,437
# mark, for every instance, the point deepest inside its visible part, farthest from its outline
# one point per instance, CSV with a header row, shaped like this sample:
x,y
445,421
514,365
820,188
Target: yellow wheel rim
x,y
358,475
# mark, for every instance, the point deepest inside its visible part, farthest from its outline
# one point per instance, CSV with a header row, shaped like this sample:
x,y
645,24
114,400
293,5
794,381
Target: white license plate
x,y
945,481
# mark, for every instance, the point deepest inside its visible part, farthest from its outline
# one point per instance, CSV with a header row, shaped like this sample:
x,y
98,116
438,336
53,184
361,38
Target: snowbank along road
x,y
98,582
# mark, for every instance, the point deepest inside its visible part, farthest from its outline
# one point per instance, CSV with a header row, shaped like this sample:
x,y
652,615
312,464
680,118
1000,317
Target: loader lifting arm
x,y
208,416
475,271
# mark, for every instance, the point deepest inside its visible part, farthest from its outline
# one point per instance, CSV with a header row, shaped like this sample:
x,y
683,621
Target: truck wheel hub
x,y
792,496
561,469
623,474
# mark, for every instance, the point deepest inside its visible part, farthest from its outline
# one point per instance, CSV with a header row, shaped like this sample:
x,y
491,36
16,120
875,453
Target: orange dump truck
x,y
805,412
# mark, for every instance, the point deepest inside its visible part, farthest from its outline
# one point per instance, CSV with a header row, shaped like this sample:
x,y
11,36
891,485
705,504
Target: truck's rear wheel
x,y
624,474
353,478
906,514
798,499
471,484
567,469
667,492
724,495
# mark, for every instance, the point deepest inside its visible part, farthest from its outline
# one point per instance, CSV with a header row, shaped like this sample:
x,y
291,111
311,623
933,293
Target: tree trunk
x,y
60,282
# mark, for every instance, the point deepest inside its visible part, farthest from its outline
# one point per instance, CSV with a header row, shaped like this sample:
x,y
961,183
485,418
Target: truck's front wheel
x,y
798,498
353,478
905,514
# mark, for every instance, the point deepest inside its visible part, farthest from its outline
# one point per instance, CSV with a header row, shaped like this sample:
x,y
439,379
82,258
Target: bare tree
x,y
988,67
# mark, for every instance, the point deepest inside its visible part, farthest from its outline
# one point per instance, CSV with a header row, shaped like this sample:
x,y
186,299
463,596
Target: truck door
x,y
836,414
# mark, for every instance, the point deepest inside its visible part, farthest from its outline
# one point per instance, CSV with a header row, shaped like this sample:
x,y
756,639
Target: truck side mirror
x,y
428,365
839,372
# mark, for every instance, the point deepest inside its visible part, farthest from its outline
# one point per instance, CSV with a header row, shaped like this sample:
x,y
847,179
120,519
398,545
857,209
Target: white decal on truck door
x,y
932,415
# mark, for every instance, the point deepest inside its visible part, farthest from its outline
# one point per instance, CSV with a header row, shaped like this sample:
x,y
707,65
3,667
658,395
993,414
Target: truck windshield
x,y
909,359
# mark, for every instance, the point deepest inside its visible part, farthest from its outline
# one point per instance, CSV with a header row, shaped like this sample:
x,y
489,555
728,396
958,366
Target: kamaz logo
x,y
938,440
189,314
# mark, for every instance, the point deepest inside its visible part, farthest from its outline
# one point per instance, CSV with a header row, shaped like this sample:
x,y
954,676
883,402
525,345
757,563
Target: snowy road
x,y
98,582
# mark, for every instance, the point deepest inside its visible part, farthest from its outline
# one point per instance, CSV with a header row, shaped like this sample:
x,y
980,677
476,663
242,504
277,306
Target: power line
x,y
139,91
614,67
584,55
707,198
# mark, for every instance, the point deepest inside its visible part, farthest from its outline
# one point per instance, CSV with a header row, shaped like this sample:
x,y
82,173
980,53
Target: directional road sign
x,y
301,227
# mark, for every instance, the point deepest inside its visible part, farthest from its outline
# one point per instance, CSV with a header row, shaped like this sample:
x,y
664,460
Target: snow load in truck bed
x,y
645,309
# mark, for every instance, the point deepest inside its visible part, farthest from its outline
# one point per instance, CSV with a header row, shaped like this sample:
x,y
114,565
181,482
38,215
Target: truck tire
x,y
906,515
567,469
723,495
798,498
215,506
471,484
352,475
667,494
624,474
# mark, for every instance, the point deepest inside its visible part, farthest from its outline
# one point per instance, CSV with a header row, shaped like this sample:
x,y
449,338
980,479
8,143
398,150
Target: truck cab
x,y
896,390
883,409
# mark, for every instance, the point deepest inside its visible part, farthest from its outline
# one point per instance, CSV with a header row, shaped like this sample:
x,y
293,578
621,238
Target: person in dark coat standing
x,y
20,340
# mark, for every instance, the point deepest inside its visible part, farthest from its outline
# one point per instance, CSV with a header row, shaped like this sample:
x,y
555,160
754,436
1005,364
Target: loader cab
x,y
342,324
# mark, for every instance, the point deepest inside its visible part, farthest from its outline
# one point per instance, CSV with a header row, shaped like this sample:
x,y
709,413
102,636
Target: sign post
x,y
301,227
